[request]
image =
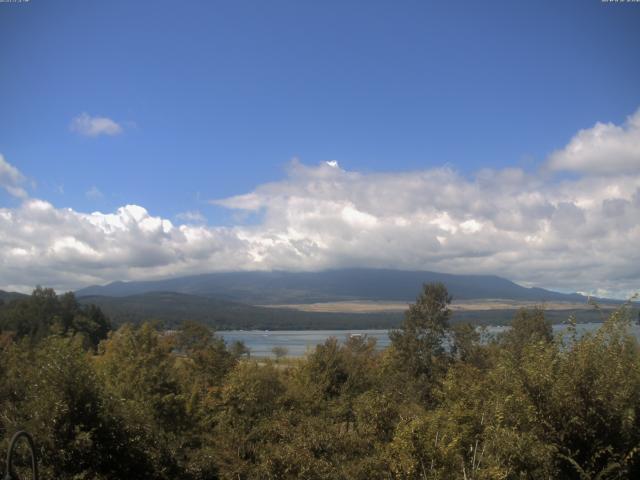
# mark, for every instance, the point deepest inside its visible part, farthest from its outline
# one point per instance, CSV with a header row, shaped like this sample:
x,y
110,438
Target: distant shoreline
x,y
371,306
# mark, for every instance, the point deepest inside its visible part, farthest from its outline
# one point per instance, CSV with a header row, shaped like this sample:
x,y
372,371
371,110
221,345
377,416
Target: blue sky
x,y
219,96
211,100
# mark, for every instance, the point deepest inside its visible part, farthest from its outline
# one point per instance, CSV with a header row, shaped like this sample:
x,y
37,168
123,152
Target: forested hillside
x,y
137,403
171,309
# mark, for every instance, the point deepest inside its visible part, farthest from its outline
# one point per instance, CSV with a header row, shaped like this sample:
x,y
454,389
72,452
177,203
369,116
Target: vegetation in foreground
x,y
134,403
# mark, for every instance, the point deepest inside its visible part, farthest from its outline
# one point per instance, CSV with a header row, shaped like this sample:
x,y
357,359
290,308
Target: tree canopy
x,y
440,403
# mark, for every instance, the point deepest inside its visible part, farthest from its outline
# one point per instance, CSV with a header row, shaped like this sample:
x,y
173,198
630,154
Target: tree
x,y
137,368
280,351
528,326
44,313
53,392
251,398
467,345
204,362
418,346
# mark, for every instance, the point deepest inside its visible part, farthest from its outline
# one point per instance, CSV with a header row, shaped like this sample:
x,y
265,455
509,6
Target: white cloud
x,y
66,249
578,234
11,179
603,148
89,126
568,234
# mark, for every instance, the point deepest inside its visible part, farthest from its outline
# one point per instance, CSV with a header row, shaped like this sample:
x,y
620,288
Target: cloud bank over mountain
x,y
567,233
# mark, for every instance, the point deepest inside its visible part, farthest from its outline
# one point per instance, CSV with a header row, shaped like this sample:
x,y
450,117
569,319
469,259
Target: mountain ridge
x,y
9,296
277,287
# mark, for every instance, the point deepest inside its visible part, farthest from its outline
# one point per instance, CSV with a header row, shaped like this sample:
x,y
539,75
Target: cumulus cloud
x,y
85,124
603,148
67,249
568,234
11,179
578,234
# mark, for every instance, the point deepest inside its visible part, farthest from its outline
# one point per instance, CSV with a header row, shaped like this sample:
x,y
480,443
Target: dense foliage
x,y
440,403
45,313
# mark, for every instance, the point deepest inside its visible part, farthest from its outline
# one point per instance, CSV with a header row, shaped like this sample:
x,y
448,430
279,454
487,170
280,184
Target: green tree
x,y
138,370
418,346
53,392
44,313
251,401
528,326
209,359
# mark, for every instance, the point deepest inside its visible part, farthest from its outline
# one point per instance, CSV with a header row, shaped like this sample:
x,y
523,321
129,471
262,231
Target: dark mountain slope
x,y
332,285
8,296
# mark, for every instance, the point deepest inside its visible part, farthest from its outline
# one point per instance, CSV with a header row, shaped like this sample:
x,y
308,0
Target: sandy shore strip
x,y
365,306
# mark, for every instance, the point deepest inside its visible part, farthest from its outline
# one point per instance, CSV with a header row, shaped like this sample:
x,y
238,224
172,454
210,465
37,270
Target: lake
x,y
299,342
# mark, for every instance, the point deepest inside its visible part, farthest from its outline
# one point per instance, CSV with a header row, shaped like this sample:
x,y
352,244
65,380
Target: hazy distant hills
x,y
8,296
263,288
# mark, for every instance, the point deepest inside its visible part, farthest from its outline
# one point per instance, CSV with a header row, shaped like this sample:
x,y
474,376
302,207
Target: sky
x,y
143,140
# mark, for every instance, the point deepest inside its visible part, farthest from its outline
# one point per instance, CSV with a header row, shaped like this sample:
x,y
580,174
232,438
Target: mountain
x,y
8,296
233,300
278,287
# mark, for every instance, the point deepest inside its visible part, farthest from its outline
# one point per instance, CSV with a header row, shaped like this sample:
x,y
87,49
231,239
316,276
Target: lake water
x,y
299,342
